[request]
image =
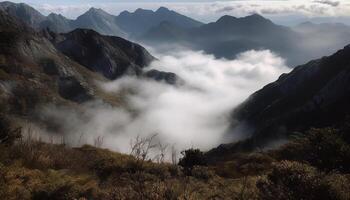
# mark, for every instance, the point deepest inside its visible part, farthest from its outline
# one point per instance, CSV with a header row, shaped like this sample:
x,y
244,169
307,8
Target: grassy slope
x,y
315,166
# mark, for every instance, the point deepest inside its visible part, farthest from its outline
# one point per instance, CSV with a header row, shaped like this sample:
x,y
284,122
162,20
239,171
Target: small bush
x,y
293,180
191,158
7,134
322,148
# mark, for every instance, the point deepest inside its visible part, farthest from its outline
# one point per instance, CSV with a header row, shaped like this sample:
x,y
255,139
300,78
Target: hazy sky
x,y
281,11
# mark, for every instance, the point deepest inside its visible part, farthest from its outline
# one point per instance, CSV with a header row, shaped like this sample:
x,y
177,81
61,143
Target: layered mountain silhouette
x,y
229,36
316,94
125,24
225,38
140,21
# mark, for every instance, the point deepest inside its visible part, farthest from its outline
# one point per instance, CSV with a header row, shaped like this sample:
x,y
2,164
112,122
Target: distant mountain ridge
x,y
140,21
225,38
229,36
126,24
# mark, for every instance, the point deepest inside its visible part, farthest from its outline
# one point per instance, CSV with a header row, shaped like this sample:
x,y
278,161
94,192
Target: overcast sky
x,y
281,11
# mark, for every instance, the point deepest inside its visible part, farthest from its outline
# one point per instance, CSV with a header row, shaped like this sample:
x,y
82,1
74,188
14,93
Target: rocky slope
x,y
111,56
33,72
312,95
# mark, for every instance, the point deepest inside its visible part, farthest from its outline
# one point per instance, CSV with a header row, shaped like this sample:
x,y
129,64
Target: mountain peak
x,y
54,15
226,18
162,9
250,18
95,10
141,10
125,12
256,18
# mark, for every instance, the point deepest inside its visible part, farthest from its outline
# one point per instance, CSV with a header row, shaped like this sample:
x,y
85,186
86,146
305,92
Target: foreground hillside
x,y
312,167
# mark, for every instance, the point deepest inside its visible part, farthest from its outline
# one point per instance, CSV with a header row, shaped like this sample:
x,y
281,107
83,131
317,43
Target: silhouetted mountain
x,y
57,23
140,21
166,32
100,21
108,55
126,24
95,19
316,94
229,36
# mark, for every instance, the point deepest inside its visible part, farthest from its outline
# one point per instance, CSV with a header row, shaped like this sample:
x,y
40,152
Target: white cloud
x,y
194,114
328,2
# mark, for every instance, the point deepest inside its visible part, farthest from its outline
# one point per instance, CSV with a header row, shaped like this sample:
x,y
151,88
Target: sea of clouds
x,y
195,113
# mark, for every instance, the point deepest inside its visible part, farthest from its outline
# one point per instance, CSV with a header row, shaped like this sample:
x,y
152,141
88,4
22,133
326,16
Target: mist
x,y
194,113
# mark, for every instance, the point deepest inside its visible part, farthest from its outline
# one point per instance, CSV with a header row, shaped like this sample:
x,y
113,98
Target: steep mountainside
x,y
33,72
316,94
111,56
140,21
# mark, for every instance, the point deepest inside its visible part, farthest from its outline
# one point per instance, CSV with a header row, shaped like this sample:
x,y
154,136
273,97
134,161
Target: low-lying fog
x,y
195,114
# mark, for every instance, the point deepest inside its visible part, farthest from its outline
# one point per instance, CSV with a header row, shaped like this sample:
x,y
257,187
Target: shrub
x,y
293,180
192,157
8,135
322,148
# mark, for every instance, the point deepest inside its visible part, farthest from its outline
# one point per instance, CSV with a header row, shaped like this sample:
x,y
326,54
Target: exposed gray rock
x,y
167,77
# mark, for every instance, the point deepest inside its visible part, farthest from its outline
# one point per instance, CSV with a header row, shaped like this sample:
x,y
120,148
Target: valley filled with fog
x,y
195,112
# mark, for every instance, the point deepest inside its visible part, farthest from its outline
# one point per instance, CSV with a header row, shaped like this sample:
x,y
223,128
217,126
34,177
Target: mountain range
x,y
62,67
125,24
229,36
225,38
